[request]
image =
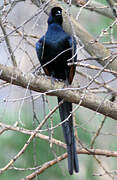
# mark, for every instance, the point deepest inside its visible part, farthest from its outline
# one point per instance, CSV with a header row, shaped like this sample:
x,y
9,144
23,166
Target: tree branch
x,y
57,142
96,7
62,157
8,44
43,84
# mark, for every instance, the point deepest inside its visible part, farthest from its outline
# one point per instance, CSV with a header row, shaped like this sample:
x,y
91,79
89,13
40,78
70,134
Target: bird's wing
x,y
72,43
40,51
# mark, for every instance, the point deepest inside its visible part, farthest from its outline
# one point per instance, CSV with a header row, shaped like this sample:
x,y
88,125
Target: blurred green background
x,y
87,121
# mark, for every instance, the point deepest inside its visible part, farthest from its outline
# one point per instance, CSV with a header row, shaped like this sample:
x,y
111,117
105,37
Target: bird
x,y
54,50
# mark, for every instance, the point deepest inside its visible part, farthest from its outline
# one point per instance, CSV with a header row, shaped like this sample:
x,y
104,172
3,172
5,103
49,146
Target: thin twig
x,y
101,165
28,141
8,44
98,132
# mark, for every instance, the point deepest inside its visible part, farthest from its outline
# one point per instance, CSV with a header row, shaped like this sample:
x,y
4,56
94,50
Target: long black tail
x,y
68,131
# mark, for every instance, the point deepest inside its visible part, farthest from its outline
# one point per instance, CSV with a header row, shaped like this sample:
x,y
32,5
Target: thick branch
x,y
44,85
96,7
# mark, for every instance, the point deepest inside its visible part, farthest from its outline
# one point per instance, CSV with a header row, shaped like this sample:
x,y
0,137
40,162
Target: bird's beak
x,y
58,14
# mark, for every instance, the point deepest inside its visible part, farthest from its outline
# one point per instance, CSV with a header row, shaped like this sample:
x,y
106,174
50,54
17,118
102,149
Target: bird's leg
x,y
37,71
52,77
66,80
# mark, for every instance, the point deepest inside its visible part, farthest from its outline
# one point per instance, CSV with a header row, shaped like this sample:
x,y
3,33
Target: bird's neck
x,y
55,27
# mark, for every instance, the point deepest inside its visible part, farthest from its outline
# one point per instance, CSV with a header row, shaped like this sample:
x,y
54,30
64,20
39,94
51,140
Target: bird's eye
x,y
58,13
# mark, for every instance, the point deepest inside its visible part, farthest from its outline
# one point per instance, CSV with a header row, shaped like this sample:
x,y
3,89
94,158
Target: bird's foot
x,y
66,82
53,80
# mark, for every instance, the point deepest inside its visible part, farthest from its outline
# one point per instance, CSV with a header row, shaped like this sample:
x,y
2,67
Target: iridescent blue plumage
x,y
54,50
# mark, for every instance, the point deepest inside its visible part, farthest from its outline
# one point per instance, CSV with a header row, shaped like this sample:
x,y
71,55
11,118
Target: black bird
x,y
54,50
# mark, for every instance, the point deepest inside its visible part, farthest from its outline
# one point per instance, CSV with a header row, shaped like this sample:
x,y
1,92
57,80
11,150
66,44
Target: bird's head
x,y
55,16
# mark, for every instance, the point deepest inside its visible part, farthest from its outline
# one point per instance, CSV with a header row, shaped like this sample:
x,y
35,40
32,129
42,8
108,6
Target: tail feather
x,y
68,131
